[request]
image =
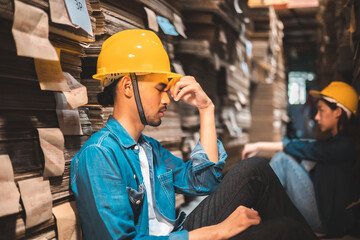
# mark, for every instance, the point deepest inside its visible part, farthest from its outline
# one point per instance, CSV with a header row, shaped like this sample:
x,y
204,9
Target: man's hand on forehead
x,y
171,86
190,91
172,82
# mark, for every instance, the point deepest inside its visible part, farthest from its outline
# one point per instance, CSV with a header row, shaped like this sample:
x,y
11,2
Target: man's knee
x,y
256,163
251,166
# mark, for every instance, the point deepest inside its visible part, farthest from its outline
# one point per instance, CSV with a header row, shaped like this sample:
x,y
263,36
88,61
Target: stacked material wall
x,y
217,54
268,90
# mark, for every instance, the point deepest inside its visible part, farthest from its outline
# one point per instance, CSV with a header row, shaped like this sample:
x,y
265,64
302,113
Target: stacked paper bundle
x,y
212,27
40,63
352,31
268,112
235,112
218,54
327,60
268,95
266,34
338,44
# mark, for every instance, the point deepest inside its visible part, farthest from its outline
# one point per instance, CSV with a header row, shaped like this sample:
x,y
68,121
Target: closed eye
x,y
160,87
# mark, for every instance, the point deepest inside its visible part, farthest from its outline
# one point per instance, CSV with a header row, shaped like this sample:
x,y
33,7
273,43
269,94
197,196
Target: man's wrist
x,y
209,108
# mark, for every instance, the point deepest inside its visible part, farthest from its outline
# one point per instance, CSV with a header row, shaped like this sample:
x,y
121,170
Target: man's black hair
x,y
106,97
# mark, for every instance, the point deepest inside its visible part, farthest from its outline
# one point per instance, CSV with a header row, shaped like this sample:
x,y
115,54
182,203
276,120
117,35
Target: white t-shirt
x,y
158,226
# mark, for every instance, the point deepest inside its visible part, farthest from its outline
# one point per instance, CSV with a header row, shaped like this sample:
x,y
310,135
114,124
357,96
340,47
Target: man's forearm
x,y
239,220
208,136
206,233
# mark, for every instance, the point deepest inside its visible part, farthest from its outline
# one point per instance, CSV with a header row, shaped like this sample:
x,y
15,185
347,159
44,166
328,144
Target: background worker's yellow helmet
x,y
132,51
342,93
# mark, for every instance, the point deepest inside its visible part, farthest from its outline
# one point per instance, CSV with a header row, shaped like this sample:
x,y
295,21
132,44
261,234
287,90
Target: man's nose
x,y
165,99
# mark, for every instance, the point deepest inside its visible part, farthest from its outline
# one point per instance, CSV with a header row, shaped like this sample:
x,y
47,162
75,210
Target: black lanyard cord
x,y
137,99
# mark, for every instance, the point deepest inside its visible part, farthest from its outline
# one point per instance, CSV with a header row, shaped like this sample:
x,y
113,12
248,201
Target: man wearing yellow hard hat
x,y
125,182
324,186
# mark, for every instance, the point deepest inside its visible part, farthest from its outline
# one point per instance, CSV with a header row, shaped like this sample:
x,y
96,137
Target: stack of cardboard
x,y
26,108
328,55
267,109
266,33
338,44
268,95
215,53
354,32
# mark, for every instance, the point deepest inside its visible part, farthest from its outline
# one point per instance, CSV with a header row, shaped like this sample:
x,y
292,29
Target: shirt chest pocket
x,y
167,185
136,199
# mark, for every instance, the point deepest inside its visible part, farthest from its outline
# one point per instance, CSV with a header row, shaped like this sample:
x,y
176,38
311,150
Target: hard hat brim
x,y
316,94
104,77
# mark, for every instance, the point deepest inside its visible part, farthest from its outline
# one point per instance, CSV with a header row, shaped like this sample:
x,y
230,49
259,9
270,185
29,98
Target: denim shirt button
x,y
136,147
138,202
134,176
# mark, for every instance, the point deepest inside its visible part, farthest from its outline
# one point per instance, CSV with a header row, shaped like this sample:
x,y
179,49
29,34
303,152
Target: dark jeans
x,y
252,183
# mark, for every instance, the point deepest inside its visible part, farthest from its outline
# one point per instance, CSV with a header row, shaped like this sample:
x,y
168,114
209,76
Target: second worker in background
x,y
322,176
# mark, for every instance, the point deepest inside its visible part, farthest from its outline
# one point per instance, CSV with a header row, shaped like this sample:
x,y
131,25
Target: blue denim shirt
x,y
108,185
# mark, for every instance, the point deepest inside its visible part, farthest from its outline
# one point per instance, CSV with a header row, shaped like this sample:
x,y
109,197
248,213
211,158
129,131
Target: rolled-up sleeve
x,y
200,159
198,176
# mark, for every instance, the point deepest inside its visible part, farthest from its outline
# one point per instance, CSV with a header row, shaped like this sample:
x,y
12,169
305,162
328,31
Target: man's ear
x,y
126,85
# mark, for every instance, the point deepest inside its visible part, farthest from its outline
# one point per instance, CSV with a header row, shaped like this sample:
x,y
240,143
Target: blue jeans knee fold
x,y
299,187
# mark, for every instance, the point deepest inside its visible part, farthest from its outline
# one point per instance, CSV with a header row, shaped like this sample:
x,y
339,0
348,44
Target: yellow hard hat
x,y
132,51
342,93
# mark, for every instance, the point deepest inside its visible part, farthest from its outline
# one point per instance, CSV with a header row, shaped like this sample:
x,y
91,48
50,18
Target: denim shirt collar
x,y
118,130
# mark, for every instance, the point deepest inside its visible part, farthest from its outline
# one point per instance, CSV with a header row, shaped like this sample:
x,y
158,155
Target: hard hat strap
x,y
137,98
